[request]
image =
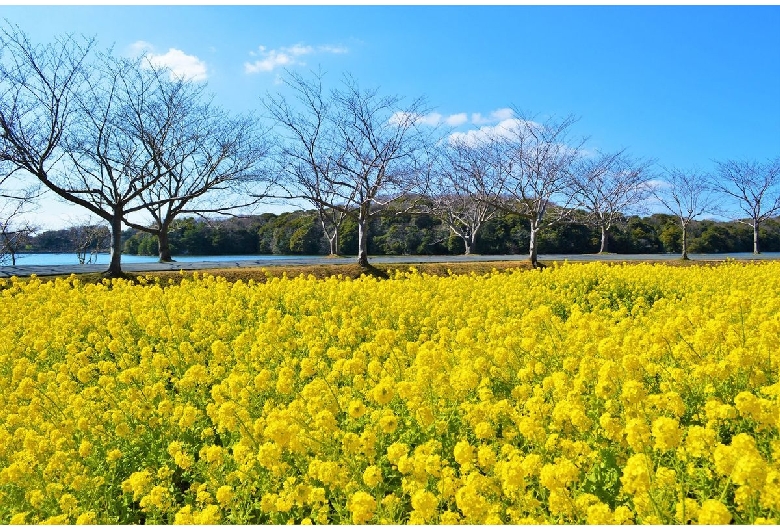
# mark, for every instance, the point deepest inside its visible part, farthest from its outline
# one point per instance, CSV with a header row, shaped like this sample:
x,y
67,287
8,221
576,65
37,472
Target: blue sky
x,y
681,84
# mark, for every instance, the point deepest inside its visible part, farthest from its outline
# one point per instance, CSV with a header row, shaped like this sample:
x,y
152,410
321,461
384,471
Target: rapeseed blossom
x,y
584,394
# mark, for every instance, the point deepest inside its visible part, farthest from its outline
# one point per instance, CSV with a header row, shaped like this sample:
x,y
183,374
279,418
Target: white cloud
x,y
140,47
431,119
333,49
496,116
184,66
453,120
477,119
502,114
503,129
658,184
287,56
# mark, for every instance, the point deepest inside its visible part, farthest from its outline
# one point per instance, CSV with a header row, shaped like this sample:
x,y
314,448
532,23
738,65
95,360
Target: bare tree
x,y
687,195
607,186
17,199
89,238
538,161
457,188
38,84
755,186
16,230
381,141
110,166
203,160
308,151
350,151
63,121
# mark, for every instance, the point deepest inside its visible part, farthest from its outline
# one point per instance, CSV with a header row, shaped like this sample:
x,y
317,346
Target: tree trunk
x,y
115,265
755,238
467,243
363,236
684,240
470,248
332,241
164,245
604,240
532,250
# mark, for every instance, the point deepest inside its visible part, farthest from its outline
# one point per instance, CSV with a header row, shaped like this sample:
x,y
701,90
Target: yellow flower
x,y
714,512
636,474
362,506
395,451
372,476
637,434
667,433
113,455
388,422
699,441
425,504
224,495
18,518
383,393
356,408
463,453
208,516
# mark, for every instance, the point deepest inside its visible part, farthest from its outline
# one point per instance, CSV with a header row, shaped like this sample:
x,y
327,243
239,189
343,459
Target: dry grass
x,y
262,274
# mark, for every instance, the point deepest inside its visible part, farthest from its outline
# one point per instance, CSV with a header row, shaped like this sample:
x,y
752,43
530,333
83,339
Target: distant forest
x,y
394,233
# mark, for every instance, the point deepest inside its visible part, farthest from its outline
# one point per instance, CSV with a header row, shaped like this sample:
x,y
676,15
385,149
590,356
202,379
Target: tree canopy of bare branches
x,y
538,160
687,195
37,104
118,136
308,150
202,160
457,189
756,188
17,198
348,150
607,186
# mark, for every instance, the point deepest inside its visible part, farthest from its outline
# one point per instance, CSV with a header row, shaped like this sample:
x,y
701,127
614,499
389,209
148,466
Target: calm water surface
x,y
102,259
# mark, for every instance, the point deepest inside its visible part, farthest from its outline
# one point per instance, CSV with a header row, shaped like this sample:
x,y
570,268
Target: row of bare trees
x,y
349,151
120,136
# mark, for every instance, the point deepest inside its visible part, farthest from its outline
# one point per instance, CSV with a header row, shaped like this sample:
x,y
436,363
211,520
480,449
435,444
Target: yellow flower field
x,y
577,394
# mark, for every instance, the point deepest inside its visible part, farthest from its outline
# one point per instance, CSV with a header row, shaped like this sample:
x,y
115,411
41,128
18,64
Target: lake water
x,y
103,259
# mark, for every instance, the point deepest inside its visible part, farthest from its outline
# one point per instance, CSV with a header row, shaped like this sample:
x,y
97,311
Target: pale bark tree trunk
x,y
467,243
604,240
684,240
755,238
333,240
473,244
363,235
532,250
115,265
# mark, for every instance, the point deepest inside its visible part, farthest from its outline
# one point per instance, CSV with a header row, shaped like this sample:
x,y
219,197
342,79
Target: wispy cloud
x,y
454,120
431,119
270,59
181,65
497,117
503,129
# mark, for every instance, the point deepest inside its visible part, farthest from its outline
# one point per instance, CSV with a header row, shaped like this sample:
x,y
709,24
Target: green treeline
x,y
300,232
